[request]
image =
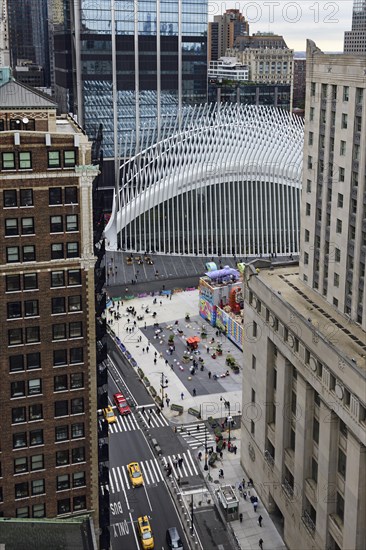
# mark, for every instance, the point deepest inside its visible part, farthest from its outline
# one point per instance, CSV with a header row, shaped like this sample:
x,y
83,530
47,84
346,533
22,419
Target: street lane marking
x,y
115,477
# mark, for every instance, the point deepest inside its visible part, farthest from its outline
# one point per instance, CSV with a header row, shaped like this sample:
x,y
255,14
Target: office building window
x,y
20,465
79,503
8,162
54,196
62,458
61,433
74,277
60,382
342,149
14,310
63,506
61,408
78,455
12,283
11,227
344,122
57,279
30,281
76,355
29,253
37,486
18,415
33,361
59,331
36,438
72,250
39,510
78,479
35,412
54,159
76,380
37,462
59,357
74,303
77,430
72,222
345,93
26,197
71,195
342,463
21,490
339,226
34,386
340,200
12,254
32,335
17,389
77,405
19,440
25,160
16,363
69,159
15,336
76,329
22,512
62,482
57,251
58,305
56,224
336,280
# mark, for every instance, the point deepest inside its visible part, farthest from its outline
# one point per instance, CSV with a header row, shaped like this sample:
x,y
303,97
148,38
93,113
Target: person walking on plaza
x,y
260,544
194,392
260,519
200,456
241,518
209,374
182,395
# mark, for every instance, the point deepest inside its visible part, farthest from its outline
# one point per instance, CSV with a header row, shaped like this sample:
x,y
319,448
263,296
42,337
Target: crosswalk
x,y
151,471
129,422
194,435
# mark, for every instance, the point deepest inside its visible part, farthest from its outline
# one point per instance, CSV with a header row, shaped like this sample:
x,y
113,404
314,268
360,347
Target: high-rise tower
x,y
133,64
355,40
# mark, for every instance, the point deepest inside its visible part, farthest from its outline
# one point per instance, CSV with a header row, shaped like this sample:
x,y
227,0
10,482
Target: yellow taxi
x,y
144,529
135,474
109,415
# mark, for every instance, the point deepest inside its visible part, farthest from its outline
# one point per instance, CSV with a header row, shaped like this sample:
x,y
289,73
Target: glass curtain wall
x,y
161,65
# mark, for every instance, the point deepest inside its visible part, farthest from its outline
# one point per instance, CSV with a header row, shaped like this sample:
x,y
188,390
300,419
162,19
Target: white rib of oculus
x,y
228,182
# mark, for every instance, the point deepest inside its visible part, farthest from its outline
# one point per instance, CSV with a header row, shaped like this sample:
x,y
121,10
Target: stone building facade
x,y
48,447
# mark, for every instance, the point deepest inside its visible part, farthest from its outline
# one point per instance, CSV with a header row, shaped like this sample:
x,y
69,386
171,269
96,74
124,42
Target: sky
x,y
321,21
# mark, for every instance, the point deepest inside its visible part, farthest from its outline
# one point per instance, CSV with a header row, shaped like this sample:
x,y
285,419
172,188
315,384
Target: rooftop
x,y
342,333
15,95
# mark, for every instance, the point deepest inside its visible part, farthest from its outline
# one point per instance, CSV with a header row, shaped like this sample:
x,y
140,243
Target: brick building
x,y
48,445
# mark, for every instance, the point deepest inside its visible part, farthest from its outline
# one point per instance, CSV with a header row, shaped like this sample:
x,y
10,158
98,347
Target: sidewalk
x,y
248,532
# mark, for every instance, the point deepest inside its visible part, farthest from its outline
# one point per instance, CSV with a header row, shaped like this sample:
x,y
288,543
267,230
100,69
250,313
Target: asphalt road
x,y
128,443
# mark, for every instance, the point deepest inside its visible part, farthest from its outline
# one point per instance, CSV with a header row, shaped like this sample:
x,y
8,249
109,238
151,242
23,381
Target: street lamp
x,y
163,386
227,406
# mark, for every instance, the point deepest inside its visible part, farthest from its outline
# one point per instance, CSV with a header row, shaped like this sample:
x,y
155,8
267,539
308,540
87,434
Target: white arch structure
x,y
227,183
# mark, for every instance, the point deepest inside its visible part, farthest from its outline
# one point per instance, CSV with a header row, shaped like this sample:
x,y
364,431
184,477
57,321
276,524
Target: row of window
x,y
30,308
29,281
330,92
63,507
24,197
18,124
23,160
62,382
31,335
27,253
32,361
25,226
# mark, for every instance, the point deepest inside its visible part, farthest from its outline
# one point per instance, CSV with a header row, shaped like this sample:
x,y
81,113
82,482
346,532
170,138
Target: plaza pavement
x,y
168,310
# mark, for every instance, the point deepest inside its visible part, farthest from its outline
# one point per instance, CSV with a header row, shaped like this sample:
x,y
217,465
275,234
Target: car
x,y
173,539
145,533
109,415
121,404
135,474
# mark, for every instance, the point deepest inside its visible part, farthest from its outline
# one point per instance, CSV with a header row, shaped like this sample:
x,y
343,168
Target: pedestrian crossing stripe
x,y
118,475
194,437
128,422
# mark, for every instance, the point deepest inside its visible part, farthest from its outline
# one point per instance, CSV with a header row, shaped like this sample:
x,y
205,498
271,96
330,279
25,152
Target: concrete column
x,y
303,444
327,467
282,416
354,530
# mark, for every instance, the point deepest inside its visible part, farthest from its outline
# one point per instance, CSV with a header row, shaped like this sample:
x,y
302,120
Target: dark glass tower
x,y
134,63
29,35
355,40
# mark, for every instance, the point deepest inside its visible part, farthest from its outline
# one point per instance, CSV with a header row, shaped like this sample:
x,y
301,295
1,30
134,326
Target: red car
x,y
121,404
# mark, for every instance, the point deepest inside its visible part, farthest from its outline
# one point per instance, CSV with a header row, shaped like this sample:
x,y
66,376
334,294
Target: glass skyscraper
x,y
355,40
134,63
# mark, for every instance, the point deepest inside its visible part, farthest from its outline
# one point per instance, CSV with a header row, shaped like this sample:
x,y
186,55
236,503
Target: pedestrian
x,y
241,518
255,505
175,463
145,325
194,392
161,303
180,462
147,349
250,482
208,349
221,473
166,362
167,400
149,420
244,495
143,350
222,425
260,544
243,483
143,410
221,454
182,394
156,353
235,449
200,456
154,360
260,519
